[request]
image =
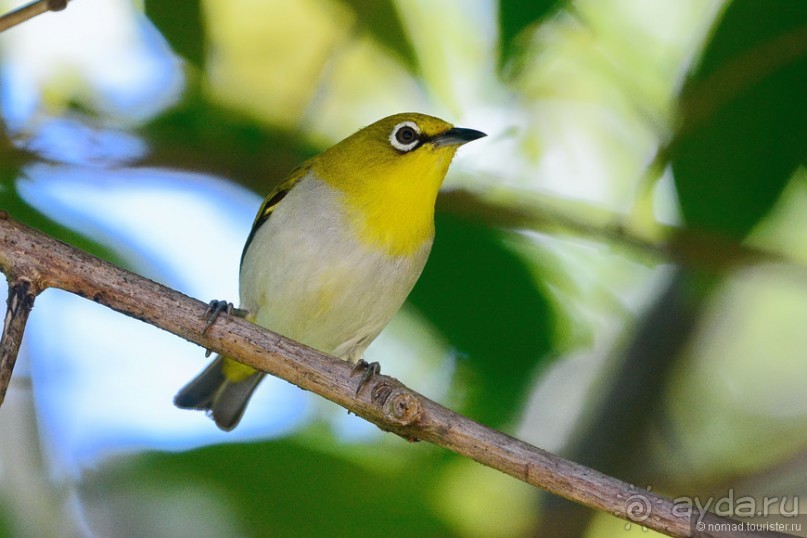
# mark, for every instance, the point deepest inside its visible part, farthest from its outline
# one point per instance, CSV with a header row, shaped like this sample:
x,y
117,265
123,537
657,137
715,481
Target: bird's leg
x,y
370,369
215,308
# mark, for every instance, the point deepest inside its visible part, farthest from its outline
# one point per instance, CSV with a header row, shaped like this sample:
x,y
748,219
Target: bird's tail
x,y
222,390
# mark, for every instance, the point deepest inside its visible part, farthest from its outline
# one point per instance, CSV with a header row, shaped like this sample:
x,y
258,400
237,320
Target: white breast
x,y
305,276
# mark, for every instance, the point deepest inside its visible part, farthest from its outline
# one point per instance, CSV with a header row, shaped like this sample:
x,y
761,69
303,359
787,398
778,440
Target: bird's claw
x,y
215,308
369,370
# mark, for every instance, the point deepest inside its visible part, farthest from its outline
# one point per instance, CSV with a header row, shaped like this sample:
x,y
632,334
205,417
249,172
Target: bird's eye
x,y
405,136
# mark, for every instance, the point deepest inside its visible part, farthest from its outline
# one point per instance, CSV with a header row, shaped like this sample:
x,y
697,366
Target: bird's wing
x,y
272,200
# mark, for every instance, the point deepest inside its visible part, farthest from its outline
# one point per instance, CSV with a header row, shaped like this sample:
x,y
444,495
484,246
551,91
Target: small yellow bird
x,y
336,248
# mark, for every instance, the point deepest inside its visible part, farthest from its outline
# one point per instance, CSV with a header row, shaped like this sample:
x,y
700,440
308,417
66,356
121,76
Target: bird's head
x,y
390,173
408,147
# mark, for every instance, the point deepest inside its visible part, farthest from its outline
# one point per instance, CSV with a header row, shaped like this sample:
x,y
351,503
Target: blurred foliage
x,y
380,19
199,135
5,522
740,139
479,295
744,128
182,24
740,136
281,488
517,18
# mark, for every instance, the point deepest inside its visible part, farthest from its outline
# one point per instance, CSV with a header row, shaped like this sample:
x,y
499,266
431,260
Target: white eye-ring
x,y
405,136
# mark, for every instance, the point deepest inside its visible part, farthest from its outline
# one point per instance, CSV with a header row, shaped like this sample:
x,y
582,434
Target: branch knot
x,y
402,407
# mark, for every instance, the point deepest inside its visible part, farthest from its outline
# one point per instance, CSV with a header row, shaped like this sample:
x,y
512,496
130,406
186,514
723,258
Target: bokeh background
x,y
619,274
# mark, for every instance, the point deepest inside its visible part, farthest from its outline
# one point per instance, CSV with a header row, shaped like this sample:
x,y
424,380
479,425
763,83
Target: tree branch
x,y
29,11
687,247
21,294
384,401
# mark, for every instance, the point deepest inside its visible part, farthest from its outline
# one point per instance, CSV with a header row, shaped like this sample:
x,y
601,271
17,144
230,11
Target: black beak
x,y
457,136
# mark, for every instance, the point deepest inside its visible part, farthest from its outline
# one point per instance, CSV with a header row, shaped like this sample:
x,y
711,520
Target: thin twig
x,y
29,11
21,294
384,401
690,248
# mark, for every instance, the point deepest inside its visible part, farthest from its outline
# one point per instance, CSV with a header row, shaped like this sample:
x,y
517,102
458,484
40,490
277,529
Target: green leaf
x,y
5,521
197,135
484,300
515,17
745,117
275,488
380,19
182,25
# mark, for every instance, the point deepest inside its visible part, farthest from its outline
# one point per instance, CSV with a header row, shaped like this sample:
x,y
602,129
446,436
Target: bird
x,y
335,249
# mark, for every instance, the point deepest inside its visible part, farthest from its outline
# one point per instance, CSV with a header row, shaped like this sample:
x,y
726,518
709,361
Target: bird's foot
x,y
214,309
368,369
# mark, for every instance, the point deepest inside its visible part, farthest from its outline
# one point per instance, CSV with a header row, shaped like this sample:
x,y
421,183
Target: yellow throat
x,y
390,185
